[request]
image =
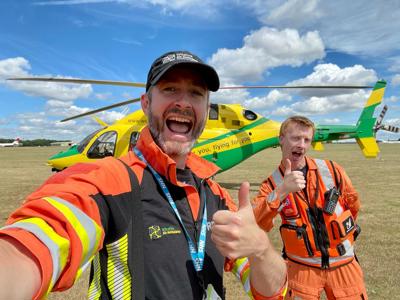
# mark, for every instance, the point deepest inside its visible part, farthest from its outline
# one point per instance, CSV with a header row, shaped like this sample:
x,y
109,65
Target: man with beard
x,y
318,206
153,223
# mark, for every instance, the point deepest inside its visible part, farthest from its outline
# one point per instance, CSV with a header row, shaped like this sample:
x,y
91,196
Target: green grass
x,y
377,181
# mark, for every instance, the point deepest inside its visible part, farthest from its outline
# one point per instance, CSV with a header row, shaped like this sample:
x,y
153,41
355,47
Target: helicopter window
x,y
134,138
249,115
213,114
103,146
82,144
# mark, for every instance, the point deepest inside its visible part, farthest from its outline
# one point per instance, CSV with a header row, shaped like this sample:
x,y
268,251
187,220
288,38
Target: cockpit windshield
x,y
82,144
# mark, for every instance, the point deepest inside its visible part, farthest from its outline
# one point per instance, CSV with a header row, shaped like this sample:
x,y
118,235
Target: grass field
x,y
377,181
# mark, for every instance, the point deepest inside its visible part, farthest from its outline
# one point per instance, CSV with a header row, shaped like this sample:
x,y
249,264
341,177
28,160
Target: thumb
x,y
288,166
244,195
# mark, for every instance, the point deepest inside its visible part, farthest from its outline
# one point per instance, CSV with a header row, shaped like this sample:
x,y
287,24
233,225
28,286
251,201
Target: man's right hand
x,y
293,181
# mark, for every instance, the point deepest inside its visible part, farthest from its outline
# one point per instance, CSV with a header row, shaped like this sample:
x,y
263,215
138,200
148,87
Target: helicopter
x,y
231,135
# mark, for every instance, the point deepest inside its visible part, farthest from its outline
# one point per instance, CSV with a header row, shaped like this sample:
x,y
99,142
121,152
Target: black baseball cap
x,y
170,59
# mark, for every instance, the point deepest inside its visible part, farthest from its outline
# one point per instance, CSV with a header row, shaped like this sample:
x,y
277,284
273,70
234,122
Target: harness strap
x,y
325,173
135,241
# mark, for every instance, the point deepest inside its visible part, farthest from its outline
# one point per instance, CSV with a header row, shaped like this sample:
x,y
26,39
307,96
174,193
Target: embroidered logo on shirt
x,y
157,232
289,208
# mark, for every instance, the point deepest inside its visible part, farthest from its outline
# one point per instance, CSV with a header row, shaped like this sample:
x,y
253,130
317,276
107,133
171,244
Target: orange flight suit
x,y
319,246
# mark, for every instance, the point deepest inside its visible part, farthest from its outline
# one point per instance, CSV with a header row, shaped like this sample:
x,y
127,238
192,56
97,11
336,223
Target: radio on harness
x,y
331,199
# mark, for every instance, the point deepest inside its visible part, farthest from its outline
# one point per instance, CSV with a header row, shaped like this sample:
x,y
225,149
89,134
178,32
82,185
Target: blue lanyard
x,y
197,255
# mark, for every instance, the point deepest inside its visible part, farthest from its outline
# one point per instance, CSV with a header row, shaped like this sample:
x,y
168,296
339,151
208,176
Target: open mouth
x,y
297,154
179,125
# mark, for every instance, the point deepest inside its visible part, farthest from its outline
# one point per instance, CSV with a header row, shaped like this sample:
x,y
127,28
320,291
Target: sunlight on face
x,y
295,143
177,110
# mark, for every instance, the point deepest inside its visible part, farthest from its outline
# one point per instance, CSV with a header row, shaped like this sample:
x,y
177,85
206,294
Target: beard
x,y
174,148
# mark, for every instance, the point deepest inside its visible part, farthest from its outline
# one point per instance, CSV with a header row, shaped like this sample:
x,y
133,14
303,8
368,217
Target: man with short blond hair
x,y
318,206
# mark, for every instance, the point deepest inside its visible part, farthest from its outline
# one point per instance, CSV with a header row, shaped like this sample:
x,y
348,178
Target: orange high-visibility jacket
x,y
81,215
310,235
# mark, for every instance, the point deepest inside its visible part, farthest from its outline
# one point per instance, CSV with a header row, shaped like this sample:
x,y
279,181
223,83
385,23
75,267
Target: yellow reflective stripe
x,y
118,276
94,291
244,276
88,231
57,245
238,266
126,290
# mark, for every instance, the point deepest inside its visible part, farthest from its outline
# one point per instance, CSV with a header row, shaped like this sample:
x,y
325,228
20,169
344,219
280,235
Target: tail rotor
x,y
380,126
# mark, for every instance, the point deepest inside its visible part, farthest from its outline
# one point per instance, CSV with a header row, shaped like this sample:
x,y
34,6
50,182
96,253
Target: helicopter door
x,y
103,146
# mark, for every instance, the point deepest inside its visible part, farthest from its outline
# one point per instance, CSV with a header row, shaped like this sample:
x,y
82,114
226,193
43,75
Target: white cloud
x,y
266,48
294,13
325,105
331,74
394,64
357,27
392,99
38,125
271,99
396,80
208,8
19,67
330,121
14,67
230,95
394,122
65,92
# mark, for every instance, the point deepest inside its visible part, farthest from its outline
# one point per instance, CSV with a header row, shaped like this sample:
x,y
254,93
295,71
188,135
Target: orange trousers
x,y
307,283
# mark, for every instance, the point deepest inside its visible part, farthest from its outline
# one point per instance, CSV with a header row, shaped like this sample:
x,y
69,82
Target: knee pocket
x,y
350,294
300,292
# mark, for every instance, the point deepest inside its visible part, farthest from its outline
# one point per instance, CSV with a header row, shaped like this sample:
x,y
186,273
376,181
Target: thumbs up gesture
x,y
293,181
236,234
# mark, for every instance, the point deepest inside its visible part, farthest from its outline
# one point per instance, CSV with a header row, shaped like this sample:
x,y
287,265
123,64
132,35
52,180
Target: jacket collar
x,y
166,166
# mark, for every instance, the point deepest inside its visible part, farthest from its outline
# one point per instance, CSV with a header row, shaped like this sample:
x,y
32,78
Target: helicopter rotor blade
x,y
390,128
101,109
80,81
140,84
296,87
381,116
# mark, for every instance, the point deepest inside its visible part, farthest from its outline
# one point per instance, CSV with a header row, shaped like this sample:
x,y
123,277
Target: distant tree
x,y
32,143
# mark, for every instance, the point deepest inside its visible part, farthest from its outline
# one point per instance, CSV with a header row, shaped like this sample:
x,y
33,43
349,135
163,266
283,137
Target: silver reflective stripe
x,y
277,176
349,248
95,287
54,249
317,261
88,224
271,197
338,209
328,181
325,173
291,222
278,179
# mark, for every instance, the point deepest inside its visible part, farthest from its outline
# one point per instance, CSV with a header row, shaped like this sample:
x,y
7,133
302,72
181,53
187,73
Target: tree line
x,y
32,143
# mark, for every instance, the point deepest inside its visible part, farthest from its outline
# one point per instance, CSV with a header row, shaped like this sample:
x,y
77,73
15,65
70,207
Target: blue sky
x,y
248,42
